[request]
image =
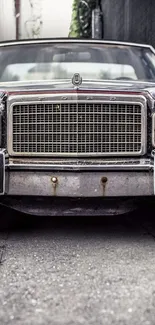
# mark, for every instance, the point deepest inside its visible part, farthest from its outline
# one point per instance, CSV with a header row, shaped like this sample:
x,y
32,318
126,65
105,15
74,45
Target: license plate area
x,y
2,173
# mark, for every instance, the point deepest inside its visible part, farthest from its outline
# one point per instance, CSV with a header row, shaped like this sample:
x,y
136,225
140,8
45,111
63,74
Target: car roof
x,y
71,40
74,40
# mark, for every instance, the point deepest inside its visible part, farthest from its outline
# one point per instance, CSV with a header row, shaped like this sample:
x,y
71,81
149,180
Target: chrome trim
x,y
69,40
74,98
80,168
82,165
3,154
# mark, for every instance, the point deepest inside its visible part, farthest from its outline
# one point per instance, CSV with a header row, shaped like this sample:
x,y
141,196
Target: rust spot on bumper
x,y
104,181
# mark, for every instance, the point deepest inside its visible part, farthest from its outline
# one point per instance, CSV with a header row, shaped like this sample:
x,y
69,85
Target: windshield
x,y
49,61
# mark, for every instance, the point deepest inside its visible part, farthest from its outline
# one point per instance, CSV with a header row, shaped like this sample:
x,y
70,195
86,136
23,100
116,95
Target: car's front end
x,y
76,141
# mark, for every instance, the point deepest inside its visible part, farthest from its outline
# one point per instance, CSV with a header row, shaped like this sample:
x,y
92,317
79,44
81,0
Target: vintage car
x,y
77,124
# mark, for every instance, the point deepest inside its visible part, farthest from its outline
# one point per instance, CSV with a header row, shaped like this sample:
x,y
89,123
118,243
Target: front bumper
x,y
77,178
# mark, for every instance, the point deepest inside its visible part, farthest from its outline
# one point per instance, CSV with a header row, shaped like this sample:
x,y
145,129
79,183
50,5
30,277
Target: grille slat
x,y
77,128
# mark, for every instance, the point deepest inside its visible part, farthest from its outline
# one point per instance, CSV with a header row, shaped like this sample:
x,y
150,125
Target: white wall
x,y
7,20
38,19
45,18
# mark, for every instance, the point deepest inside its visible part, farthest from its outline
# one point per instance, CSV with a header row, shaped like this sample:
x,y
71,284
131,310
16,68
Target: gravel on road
x,y
68,272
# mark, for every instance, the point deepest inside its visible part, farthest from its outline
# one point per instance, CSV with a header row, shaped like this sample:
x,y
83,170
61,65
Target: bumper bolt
x,y
54,179
104,180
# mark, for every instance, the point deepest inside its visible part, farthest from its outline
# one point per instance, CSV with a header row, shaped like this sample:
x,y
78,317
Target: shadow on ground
x,y
143,219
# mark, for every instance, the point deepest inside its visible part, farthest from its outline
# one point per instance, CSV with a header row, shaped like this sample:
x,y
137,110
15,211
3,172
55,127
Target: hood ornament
x,y
77,80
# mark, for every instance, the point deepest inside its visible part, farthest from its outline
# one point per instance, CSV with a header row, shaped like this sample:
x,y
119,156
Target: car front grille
x,y
77,129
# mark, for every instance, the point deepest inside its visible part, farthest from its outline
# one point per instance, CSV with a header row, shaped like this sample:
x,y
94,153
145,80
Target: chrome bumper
x,y
83,178
80,184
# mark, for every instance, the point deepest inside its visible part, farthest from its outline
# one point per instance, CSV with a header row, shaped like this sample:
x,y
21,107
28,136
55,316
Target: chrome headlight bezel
x,y
1,112
2,108
153,129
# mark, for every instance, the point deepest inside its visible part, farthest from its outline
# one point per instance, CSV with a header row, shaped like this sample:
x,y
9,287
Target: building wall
x,y
38,19
129,20
7,20
45,18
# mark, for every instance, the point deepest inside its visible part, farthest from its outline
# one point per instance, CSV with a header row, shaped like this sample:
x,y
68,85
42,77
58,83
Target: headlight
x,y
1,117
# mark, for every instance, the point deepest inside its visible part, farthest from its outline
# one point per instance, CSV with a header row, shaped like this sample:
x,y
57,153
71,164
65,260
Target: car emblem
x,y
77,79
113,98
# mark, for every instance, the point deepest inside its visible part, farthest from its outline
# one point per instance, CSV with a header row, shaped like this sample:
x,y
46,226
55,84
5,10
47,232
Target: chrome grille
x,y
77,128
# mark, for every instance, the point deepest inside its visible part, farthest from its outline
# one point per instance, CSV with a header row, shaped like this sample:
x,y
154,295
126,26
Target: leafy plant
x,y
81,18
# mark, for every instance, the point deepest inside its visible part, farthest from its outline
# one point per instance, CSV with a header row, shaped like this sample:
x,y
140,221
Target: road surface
x,y
78,271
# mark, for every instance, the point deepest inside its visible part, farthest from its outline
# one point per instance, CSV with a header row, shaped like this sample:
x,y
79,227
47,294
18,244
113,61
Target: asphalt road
x,y
78,271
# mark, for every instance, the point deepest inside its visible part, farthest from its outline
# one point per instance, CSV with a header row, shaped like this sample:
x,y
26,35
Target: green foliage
x,y
75,27
81,27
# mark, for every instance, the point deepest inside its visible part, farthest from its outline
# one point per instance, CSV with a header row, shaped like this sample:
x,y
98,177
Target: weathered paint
x,y
81,184
72,91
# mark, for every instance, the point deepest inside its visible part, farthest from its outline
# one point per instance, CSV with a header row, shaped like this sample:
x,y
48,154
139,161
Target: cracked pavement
x,y
78,271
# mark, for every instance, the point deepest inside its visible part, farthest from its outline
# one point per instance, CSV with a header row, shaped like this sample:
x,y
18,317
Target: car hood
x,y
92,85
